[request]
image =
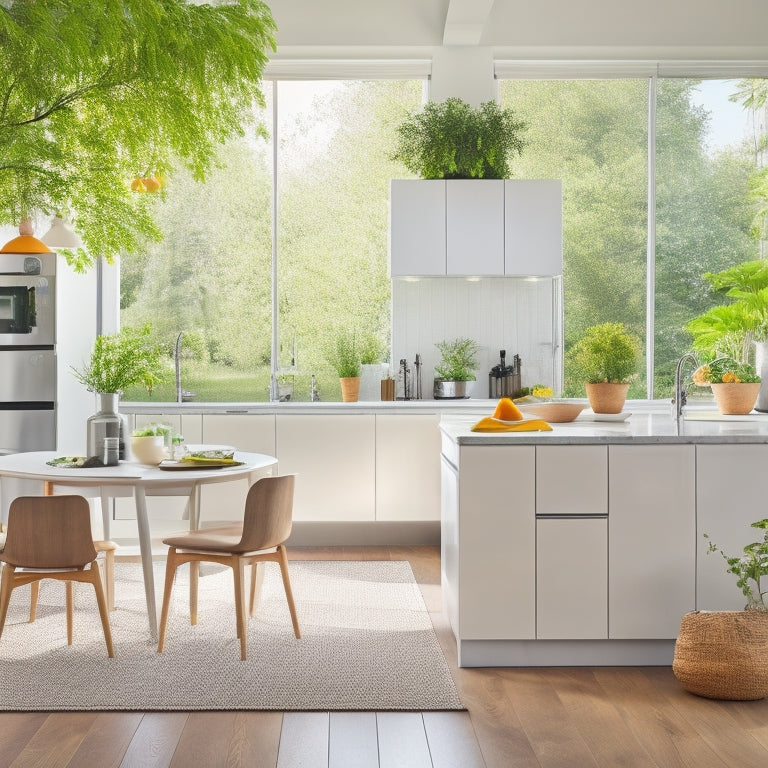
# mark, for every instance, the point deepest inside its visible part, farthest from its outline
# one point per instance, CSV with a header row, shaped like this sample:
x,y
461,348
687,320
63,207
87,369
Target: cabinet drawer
x,y
571,480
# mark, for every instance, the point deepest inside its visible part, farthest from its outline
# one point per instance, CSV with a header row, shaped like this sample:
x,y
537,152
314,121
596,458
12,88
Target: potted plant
x,y
453,140
118,361
344,357
371,355
733,329
724,654
735,385
607,358
455,372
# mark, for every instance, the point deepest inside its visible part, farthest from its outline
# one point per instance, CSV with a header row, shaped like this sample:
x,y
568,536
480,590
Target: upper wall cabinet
x,y
476,227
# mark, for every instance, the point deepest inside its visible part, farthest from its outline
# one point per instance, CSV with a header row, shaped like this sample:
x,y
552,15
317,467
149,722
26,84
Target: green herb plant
x,y
343,355
607,352
452,140
458,360
749,568
726,370
121,360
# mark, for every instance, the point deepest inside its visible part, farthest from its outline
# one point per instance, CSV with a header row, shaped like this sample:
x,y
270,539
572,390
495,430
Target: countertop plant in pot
x,y
118,361
735,385
455,372
453,140
724,654
607,357
344,356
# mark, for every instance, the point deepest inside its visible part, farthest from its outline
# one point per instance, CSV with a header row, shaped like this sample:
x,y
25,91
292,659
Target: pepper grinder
x,y
417,366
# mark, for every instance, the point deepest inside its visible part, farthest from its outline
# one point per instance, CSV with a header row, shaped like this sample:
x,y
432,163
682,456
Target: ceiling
x,y
525,25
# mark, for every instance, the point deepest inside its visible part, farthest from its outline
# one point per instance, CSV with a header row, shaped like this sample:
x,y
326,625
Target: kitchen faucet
x,y
681,395
177,365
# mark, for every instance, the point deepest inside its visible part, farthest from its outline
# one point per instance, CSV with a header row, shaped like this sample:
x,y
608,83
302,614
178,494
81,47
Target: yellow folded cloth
x,y
489,424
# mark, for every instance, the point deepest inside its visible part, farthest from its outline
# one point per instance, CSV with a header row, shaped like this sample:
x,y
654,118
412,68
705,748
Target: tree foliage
x,y
96,92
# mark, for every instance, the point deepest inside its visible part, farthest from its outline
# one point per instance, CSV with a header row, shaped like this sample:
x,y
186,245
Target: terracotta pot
x,y
735,398
723,654
607,398
350,389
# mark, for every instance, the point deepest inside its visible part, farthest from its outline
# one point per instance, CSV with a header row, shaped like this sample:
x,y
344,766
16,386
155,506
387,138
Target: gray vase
x,y
107,422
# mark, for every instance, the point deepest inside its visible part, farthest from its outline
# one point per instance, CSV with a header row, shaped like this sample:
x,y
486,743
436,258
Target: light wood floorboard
x,y
637,717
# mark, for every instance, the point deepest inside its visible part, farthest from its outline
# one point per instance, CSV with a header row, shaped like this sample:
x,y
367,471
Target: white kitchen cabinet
x,y
407,467
334,458
482,227
246,432
572,578
417,234
533,227
475,235
490,540
572,480
652,499
730,498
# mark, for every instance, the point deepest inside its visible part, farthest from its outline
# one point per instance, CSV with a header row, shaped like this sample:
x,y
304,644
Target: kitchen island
x,y
584,545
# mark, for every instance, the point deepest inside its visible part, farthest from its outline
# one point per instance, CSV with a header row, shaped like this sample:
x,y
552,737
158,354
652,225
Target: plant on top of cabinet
x,y
453,140
607,358
456,368
724,654
735,385
343,354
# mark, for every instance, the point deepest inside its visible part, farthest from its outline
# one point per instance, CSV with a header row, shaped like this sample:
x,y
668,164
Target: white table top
x,y
32,465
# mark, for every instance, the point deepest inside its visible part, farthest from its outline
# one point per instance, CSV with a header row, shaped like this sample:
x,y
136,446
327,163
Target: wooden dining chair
x,y
49,537
259,538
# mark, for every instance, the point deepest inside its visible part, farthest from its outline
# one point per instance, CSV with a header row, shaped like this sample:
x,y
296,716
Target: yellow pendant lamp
x,y
26,242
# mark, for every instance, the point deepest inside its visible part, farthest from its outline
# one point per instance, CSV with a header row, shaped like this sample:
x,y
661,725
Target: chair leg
x,y
6,587
194,581
257,578
70,588
34,595
170,572
288,593
109,578
95,579
239,572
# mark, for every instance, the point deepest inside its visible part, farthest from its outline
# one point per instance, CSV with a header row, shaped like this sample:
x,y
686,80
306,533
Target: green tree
x,y
96,92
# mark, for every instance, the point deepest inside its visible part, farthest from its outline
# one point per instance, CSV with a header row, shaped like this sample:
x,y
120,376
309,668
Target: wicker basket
x,y
723,654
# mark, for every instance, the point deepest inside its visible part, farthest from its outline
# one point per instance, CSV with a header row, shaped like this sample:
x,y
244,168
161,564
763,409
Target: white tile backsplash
x,y
521,315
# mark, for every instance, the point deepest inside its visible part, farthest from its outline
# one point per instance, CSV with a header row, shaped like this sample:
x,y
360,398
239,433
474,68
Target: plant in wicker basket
x,y
724,654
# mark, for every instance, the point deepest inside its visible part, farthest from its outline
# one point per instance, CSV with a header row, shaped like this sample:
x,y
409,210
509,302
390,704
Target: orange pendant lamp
x,y
26,242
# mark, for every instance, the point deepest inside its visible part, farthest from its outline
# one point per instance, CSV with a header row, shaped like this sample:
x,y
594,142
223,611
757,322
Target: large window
x,y
211,276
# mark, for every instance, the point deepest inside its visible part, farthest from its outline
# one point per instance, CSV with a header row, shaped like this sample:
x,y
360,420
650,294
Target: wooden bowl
x,y
554,413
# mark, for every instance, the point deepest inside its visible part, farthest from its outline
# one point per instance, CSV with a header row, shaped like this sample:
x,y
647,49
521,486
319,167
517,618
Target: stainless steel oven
x,y
27,293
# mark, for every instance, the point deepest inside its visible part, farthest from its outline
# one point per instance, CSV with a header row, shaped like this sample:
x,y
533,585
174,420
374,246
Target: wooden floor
x,y
542,718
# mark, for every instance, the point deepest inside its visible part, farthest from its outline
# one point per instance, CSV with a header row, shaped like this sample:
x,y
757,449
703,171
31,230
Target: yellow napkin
x,y
489,424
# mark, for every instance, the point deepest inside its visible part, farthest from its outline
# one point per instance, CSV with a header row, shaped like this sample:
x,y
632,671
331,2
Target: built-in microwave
x,y
27,290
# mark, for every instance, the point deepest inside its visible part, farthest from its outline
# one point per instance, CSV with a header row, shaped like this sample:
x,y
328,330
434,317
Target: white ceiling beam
x,y
465,21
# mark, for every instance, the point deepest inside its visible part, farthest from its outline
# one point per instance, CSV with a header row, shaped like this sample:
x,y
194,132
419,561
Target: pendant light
x,y
61,234
26,242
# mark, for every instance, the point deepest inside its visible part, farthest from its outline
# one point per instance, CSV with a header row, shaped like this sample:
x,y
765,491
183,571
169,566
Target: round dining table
x,y
139,480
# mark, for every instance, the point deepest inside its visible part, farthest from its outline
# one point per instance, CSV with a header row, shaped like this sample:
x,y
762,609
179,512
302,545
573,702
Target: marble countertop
x,y
645,425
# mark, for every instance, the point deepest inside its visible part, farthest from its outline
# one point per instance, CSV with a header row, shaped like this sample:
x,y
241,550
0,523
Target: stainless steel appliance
x,y
27,360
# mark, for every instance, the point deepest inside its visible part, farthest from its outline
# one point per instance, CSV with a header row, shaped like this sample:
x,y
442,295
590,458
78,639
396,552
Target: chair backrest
x,y
49,532
268,513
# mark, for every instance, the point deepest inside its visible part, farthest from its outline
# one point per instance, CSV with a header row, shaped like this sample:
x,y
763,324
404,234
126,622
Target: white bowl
x,y
149,450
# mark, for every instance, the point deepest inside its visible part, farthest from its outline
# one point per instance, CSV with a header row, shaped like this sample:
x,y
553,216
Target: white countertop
x,y
699,425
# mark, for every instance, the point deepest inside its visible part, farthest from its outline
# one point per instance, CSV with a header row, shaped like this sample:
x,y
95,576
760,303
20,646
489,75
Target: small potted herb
x,y
344,357
735,385
455,372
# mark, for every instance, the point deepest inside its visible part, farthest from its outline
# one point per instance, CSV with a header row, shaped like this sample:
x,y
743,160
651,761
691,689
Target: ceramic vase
x,y
735,398
607,398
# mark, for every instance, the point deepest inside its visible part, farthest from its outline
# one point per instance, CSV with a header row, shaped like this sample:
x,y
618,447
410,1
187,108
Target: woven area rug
x,y
367,644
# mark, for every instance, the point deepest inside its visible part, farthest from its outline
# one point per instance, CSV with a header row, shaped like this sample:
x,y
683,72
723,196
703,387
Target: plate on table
x,y
173,466
74,462
592,416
